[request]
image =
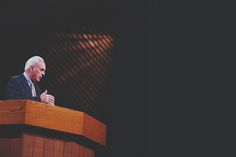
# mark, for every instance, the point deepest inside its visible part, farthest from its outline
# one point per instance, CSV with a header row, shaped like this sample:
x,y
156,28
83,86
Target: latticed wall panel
x,y
78,69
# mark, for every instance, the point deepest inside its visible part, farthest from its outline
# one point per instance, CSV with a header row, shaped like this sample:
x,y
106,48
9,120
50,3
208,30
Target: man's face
x,y
38,71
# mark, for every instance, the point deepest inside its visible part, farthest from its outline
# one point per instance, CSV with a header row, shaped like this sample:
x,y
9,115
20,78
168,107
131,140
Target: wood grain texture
x,y
55,118
10,147
39,114
68,149
94,128
29,145
15,147
48,147
58,148
4,147
38,146
12,112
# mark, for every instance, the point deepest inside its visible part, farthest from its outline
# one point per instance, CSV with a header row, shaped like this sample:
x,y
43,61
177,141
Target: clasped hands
x,y
47,98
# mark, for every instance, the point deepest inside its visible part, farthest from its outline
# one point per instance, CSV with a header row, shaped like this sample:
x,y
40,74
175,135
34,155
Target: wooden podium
x,y
34,129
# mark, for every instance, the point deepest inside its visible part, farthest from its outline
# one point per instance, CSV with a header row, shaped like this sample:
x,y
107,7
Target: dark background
x,y
129,22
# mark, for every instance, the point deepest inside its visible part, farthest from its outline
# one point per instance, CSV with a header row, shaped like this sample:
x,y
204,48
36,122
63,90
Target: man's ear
x,y
31,68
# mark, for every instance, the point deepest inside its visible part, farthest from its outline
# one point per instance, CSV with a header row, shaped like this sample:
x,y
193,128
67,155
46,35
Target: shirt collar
x,y
27,78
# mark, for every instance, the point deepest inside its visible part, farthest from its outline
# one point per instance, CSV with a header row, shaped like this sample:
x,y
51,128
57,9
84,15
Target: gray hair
x,y
32,61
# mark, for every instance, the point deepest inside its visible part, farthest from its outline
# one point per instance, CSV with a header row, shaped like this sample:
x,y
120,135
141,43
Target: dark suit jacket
x,y
18,88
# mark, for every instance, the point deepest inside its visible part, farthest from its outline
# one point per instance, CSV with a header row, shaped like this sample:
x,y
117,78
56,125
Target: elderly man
x,y
23,86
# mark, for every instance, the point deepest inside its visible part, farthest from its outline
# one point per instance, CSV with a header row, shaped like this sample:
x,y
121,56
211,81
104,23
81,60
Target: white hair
x,y
32,61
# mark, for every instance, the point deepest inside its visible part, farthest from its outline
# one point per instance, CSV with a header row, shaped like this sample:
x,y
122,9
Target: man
x,y
23,86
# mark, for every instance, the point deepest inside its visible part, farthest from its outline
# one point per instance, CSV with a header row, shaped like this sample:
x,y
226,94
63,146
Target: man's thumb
x,y
45,92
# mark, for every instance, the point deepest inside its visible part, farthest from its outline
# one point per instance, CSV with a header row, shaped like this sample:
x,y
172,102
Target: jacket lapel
x,y
26,87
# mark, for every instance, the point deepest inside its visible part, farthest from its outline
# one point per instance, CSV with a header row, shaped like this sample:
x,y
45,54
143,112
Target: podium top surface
x,y
57,118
